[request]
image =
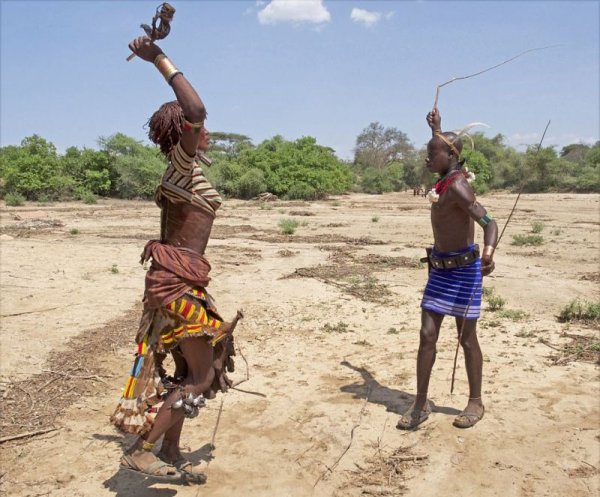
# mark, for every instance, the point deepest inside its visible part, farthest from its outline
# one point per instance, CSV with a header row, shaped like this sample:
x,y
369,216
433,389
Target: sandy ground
x,y
330,338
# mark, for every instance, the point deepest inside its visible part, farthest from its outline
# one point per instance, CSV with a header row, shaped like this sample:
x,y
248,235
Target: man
x,y
454,286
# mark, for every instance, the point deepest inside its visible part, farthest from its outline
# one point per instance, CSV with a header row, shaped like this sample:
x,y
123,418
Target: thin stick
x,y
59,394
214,435
30,312
416,457
521,188
27,434
437,93
333,466
547,344
247,371
249,392
88,377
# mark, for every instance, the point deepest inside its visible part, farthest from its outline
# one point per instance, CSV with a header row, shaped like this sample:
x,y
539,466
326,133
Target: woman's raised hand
x,y
145,48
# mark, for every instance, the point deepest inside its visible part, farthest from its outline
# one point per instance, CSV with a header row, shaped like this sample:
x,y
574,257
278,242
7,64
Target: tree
x,y
93,170
377,146
300,169
480,166
228,144
138,167
33,170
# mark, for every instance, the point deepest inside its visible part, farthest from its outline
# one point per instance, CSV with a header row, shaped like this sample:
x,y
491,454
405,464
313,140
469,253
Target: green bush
x,y
301,191
250,184
14,199
496,302
534,240
375,181
288,226
537,226
83,194
577,310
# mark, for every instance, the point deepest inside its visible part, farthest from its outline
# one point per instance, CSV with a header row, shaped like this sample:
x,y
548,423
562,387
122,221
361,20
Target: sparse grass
x,y
86,276
556,232
74,231
392,331
537,226
114,269
487,292
364,283
336,203
264,206
14,199
495,302
582,311
288,226
512,314
520,240
525,334
375,219
340,327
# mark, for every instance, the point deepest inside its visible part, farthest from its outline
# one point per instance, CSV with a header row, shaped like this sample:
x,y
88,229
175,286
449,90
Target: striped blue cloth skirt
x,y
452,291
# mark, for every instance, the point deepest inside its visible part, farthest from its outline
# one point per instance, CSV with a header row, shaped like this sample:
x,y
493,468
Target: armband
x,y
166,67
484,221
488,251
189,126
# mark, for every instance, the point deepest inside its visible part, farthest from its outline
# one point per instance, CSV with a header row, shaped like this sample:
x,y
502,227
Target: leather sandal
x,y
158,469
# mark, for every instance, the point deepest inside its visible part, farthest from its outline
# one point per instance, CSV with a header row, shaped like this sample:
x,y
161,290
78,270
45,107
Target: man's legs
x,y
428,336
474,366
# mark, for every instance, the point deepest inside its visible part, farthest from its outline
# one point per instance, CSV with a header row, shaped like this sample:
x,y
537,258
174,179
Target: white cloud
x,y
368,18
277,11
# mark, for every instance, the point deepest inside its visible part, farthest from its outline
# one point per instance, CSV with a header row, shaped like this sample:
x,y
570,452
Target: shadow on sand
x,y
395,401
130,483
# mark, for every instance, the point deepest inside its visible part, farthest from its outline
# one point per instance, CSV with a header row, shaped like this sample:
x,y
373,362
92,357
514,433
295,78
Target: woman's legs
x,y
198,354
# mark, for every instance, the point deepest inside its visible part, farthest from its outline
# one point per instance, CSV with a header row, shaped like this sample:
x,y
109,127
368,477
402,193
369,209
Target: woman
x,y
179,315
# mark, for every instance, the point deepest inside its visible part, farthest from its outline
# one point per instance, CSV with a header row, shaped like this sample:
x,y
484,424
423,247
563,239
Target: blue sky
x,y
306,67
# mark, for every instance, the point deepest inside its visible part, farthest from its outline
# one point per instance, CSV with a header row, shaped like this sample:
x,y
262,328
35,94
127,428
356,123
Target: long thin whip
x,y
437,92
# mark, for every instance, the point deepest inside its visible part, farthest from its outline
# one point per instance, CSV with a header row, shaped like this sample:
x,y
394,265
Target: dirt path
x,y
330,336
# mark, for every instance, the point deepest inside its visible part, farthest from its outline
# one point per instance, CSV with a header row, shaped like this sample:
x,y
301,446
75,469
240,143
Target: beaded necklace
x,y
443,183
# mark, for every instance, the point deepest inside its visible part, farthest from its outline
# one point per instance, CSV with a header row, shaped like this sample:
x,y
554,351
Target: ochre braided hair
x,y
166,125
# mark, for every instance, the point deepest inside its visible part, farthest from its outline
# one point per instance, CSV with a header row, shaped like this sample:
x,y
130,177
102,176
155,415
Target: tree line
x,y
384,160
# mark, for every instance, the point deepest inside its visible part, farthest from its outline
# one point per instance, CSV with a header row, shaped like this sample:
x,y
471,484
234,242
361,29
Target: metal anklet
x,y
191,404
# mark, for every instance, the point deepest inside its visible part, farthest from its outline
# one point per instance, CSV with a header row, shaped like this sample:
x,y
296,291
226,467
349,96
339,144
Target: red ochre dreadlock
x,y
166,125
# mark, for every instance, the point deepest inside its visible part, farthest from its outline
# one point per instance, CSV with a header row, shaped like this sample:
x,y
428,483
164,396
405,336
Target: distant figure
x,y
179,315
454,286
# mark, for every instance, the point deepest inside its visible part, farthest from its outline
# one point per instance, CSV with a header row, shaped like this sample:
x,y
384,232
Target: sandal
x,y
468,419
188,470
158,469
411,418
